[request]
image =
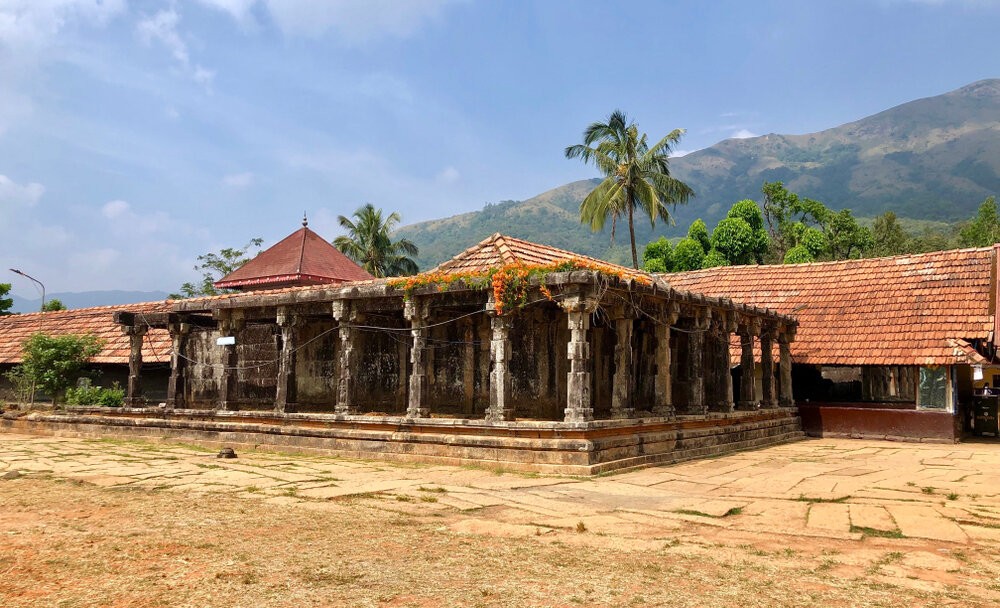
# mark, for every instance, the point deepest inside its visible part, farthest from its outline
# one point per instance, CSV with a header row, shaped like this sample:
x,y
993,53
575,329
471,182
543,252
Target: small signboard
x,y
226,341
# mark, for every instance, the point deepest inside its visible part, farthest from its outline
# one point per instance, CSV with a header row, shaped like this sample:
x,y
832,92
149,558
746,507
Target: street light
x,y
40,284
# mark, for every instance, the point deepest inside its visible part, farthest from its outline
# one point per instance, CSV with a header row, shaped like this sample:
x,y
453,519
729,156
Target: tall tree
x,y
5,302
984,229
369,243
888,236
214,266
637,175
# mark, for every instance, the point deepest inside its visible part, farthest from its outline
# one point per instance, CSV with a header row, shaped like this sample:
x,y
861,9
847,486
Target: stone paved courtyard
x,y
843,503
831,488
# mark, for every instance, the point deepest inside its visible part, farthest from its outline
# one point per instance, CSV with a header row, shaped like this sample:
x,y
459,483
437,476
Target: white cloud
x,y
114,209
743,134
355,22
449,175
238,180
31,24
162,28
12,193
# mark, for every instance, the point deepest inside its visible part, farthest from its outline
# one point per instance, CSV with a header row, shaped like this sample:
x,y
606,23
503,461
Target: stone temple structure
x,y
512,353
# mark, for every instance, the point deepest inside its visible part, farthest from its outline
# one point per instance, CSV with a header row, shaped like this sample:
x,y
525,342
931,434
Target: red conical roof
x,y
301,258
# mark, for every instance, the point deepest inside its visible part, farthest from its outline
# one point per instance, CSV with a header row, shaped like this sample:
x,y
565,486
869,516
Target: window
x,y
933,388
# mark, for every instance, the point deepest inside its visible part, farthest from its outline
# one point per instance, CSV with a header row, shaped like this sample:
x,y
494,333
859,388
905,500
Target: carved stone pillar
x,y
417,311
769,398
723,326
785,338
748,381
175,385
621,390
663,386
696,361
346,315
501,408
230,324
285,397
578,309
468,366
135,335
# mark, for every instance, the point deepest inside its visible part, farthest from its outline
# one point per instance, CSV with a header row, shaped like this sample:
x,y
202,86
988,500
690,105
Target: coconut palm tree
x,y
369,243
637,176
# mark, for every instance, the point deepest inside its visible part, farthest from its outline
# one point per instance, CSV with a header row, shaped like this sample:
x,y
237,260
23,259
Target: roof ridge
x,y
302,248
101,308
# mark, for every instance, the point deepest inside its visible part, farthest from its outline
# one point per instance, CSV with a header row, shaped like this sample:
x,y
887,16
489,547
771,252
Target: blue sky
x,y
136,135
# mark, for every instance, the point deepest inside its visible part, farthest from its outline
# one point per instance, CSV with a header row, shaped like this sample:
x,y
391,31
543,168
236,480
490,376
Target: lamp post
x,y
40,284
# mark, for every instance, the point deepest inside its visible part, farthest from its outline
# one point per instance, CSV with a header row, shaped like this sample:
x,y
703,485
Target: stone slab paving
x,y
839,489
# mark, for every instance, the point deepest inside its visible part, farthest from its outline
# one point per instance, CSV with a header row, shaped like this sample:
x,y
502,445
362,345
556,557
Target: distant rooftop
x,y
301,258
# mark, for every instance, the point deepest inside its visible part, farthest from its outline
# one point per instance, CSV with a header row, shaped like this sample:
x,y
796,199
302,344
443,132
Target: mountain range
x,y
86,299
935,158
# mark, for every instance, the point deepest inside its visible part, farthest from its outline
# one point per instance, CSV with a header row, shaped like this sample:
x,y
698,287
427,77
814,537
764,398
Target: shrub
x,y
798,255
713,259
688,255
96,395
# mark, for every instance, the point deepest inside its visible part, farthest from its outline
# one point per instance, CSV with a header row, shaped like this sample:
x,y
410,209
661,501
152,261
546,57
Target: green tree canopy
x,y
888,236
984,229
699,232
688,255
369,243
53,305
53,363
636,175
713,259
748,211
214,266
798,255
847,239
734,239
658,255
5,302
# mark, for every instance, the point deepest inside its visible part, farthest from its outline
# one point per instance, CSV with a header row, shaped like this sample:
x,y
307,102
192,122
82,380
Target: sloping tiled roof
x,y
901,310
15,329
301,258
499,250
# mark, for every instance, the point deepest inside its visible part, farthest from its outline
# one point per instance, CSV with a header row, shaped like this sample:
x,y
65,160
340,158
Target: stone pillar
x,y
769,398
785,338
468,367
695,361
175,385
748,381
578,309
135,335
285,397
417,311
346,315
501,408
722,327
230,325
663,386
621,390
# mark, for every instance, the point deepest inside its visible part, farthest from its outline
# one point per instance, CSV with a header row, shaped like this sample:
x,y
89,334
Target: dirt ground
x,y
114,532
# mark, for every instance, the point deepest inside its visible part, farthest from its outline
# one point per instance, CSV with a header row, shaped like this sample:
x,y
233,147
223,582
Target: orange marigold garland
x,y
510,283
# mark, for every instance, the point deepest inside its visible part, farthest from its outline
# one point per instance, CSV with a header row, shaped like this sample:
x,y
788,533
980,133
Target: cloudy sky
x,y
135,135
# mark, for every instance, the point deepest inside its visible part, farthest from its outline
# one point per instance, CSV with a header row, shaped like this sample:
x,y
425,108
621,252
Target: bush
x,y
699,232
96,395
654,265
798,255
53,363
714,259
661,250
688,255
21,383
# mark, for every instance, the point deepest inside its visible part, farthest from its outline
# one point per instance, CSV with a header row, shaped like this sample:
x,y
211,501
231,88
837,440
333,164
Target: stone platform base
x,y
584,448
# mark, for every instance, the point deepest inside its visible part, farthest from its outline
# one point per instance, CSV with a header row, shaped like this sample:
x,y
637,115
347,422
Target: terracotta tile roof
x,y
499,250
15,329
902,310
301,258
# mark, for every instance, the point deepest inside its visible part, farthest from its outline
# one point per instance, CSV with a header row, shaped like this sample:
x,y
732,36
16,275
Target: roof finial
x,y
305,222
